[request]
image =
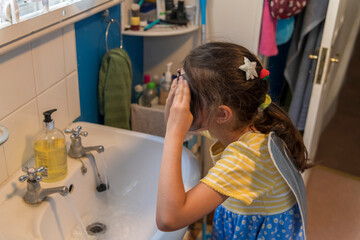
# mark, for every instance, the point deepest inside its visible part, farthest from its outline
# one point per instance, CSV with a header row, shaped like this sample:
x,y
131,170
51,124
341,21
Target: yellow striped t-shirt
x,y
245,172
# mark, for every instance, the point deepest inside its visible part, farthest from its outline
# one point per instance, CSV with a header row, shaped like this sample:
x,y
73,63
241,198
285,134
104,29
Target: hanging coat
x,y
300,70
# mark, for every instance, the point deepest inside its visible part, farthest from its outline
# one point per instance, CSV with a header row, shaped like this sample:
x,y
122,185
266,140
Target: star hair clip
x,y
249,68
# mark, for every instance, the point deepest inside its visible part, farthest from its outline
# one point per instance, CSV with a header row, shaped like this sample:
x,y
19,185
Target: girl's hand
x,y
178,109
169,100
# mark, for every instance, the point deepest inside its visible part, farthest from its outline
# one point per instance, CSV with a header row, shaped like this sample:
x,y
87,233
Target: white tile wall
x,y
55,97
22,124
49,61
17,82
70,50
72,85
36,77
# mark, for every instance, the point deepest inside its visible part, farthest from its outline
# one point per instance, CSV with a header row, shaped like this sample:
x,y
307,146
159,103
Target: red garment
x,y
267,45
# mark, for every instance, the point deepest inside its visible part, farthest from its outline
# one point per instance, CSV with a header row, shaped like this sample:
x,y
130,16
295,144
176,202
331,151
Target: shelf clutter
x,y
162,18
158,31
147,120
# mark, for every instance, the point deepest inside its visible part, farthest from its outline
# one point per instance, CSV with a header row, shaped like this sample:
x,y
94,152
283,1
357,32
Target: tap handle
x,y
31,174
76,132
23,178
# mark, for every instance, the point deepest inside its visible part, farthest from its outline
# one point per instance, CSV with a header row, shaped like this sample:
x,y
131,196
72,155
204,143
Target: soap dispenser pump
x,y
50,150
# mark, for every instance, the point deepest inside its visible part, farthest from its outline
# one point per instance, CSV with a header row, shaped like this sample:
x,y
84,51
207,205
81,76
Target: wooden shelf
x,y
162,31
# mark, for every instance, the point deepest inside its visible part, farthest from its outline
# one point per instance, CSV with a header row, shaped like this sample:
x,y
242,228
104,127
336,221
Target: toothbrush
x,y
151,24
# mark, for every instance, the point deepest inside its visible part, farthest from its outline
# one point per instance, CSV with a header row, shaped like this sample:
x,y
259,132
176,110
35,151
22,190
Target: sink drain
x,y
96,229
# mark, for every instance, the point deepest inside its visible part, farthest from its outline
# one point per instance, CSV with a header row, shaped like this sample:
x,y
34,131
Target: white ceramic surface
x,y
132,162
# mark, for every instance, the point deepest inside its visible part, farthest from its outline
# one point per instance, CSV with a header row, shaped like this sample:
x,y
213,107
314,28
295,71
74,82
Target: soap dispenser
x,y
50,150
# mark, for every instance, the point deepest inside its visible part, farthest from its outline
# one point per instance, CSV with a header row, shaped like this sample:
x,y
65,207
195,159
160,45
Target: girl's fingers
x,y
172,92
187,94
169,101
179,91
174,83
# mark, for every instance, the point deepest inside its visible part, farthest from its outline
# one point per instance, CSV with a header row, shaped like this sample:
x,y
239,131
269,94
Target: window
x,y
21,18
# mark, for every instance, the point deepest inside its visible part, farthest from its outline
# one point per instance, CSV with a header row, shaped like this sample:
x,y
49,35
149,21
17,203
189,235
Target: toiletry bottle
x,y
156,80
138,92
169,6
135,18
50,150
165,85
149,95
147,79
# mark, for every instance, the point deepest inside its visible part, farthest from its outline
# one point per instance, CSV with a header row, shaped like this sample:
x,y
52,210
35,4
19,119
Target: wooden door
x,y
340,31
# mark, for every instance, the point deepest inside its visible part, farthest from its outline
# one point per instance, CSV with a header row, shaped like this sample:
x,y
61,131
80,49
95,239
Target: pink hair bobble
x,y
264,74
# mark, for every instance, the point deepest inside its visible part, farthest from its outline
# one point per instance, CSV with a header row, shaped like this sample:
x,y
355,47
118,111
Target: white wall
x,y
158,51
237,21
36,77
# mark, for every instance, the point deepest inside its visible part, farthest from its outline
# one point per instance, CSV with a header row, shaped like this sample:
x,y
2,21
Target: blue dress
x,y
230,226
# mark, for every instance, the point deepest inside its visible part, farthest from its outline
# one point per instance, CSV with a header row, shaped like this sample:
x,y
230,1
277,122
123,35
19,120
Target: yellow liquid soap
x,y
51,154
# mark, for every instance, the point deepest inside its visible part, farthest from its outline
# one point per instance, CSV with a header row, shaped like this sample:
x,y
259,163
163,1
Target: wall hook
x,y
106,15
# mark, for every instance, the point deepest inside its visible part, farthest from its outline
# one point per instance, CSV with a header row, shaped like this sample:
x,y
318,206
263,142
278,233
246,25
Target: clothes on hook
x,y
278,24
300,70
284,30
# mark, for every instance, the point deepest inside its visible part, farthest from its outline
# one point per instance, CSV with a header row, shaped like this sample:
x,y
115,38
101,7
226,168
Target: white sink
x,y
132,162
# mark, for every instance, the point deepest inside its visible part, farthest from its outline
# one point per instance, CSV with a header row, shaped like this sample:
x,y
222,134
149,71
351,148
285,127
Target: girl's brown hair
x,y
215,79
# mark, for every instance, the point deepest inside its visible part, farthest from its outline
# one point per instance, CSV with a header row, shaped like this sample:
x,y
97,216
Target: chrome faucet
x,y
36,194
76,149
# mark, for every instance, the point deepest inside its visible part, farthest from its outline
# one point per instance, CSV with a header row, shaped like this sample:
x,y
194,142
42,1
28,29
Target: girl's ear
x,y
224,114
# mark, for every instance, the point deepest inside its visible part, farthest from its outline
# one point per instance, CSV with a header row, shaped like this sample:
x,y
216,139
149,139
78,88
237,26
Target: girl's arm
x,y
175,207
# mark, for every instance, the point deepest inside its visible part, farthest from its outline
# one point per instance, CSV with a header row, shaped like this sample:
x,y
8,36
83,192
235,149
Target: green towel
x,y
114,88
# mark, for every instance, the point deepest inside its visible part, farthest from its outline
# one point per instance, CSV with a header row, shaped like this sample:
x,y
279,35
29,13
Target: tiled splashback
x,y
36,77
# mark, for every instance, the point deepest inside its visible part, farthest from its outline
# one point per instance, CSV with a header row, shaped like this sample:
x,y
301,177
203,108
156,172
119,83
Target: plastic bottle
x,y
165,85
50,150
149,95
147,79
156,80
138,91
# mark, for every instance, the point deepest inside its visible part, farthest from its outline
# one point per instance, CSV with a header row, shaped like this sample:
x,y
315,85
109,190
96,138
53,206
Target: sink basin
x,y
131,162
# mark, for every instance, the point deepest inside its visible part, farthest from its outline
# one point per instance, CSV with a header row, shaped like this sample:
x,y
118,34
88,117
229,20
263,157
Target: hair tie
x,y
266,103
264,74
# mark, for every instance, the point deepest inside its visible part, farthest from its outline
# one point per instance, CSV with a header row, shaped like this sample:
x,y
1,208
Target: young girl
x,y
255,185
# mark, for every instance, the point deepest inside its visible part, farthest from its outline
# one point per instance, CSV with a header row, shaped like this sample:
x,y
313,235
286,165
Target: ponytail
x,y
275,119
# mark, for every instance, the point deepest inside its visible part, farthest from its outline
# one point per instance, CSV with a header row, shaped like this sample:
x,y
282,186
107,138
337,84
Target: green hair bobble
x,y
266,103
